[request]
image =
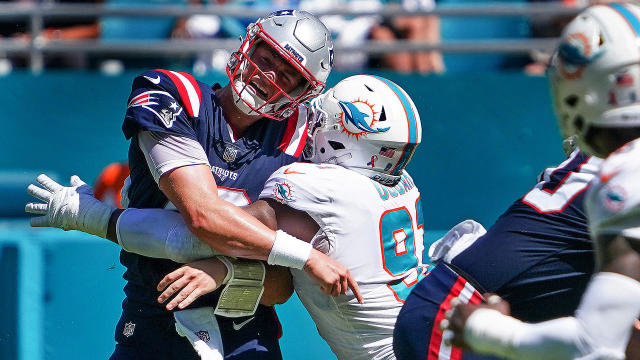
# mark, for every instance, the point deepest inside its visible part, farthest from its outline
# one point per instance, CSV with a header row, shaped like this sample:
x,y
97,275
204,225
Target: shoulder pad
x,y
180,85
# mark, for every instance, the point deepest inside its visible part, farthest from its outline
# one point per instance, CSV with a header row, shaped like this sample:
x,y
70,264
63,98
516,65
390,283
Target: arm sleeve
x,y
600,329
165,152
160,233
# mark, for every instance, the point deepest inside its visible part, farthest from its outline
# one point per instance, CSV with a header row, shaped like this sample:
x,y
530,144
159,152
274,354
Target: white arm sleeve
x,y
600,330
161,234
166,152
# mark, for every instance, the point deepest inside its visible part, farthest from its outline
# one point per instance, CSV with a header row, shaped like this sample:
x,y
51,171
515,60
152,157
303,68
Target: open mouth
x,y
258,89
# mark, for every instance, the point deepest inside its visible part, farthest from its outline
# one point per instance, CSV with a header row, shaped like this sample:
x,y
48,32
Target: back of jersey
x,y
376,231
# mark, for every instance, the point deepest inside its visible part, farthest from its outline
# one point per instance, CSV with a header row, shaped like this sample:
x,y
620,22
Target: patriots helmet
x,y
364,123
299,38
595,73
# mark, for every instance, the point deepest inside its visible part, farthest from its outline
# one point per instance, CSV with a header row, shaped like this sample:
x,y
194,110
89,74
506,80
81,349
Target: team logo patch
x,y
230,153
159,103
358,118
283,193
203,335
128,329
576,51
614,198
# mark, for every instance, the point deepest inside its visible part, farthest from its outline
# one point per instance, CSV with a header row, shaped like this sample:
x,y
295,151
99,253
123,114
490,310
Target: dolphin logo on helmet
x,y
353,116
344,130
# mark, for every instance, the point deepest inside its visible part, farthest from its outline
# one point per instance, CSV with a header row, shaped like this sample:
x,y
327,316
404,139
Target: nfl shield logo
x,y
128,329
203,335
230,153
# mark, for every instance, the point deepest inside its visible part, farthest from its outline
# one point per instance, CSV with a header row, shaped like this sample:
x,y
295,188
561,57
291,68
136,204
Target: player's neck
x,y
238,120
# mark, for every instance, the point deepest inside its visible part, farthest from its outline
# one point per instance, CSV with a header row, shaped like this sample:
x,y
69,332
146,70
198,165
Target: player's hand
x,y
333,277
191,281
68,207
456,318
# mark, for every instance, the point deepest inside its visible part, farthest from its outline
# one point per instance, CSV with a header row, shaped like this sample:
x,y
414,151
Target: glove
x,y
68,208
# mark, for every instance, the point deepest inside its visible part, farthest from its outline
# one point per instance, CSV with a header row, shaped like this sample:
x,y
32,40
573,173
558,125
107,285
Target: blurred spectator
x,y
72,28
212,26
140,29
416,28
109,183
347,30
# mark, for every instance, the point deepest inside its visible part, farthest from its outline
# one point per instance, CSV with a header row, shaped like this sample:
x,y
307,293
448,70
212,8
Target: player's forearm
x,y
231,230
490,332
600,328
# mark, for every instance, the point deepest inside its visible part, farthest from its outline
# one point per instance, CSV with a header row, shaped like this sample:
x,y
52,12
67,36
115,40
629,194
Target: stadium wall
x,y
486,137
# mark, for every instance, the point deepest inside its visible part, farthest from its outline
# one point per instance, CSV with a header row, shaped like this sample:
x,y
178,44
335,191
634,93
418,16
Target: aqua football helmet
x,y
301,40
595,72
365,123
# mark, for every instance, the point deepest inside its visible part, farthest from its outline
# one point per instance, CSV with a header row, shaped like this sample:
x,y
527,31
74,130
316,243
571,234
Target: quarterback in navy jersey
x,y
205,151
177,125
537,255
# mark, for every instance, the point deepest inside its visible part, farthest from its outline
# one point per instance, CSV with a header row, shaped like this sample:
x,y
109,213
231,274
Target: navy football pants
x,y
155,337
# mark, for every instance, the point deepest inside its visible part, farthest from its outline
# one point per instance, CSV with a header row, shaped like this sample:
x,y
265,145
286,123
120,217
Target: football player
x,y
595,78
205,151
538,255
355,203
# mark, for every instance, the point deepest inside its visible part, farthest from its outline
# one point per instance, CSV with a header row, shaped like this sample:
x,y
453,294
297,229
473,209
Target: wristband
x,y
289,251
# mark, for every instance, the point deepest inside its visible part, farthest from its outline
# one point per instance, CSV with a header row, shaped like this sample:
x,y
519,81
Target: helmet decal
x,y
365,123
358,117
575,51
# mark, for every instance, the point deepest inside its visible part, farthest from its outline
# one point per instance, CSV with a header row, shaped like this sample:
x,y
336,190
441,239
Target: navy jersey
x,y
537,255
175,103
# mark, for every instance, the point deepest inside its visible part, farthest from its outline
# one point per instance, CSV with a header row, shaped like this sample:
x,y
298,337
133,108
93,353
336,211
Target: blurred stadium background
x,y
487,124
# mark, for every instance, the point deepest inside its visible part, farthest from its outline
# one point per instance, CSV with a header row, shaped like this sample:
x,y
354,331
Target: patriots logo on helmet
x,y
282,192
358,117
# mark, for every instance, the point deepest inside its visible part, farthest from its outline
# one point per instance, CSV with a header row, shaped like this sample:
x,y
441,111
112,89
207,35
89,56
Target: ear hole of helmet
x,y
383,115
336,145
571,100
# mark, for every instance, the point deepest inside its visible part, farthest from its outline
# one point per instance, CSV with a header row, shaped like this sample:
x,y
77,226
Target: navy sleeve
x,y
163,101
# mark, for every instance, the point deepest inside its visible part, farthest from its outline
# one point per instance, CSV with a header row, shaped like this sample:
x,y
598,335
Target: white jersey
x,y
613,201
374,230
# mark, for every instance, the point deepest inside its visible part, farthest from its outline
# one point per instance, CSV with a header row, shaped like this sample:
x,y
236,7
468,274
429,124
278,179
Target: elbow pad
x,y
161,234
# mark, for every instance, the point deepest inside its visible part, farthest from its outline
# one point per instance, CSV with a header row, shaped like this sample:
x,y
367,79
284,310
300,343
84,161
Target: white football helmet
x,y
365,123
303,41
595,72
